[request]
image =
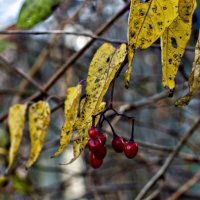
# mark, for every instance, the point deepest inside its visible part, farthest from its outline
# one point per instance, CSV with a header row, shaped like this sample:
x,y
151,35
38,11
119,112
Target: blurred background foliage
x,y
159,124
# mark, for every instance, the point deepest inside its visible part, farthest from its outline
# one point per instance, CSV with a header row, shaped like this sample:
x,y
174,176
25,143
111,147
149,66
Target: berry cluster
x,y
96,145
129,148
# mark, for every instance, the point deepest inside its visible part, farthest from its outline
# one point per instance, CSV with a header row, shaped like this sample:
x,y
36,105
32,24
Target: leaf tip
x,y
171,93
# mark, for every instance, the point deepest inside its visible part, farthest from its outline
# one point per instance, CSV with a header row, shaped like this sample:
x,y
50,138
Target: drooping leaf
x,y
194,79
70,110
174,41
34,11
147,22
81,139
16,119
127,75
39,118
103,68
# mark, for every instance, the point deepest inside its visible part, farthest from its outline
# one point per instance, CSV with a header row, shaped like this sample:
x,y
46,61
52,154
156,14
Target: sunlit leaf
x,y
147,22
103,68
34,11
81,139
39,118
16,118
70,111
194,79
174,41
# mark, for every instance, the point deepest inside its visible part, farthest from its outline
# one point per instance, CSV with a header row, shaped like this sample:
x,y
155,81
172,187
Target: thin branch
x,y
168,161
22,74
46,50
185,187
12,91
77,55
62,32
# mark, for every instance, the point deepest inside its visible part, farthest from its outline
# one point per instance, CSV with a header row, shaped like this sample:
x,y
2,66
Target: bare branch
x,y
185,187
62,32
168,161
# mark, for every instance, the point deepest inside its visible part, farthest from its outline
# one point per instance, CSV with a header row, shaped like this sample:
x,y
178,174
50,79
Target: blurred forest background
x,y
159,124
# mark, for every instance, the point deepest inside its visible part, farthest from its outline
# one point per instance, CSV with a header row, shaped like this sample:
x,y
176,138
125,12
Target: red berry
x,y
118,144
94,162
94,144
101,153
102,137
130,149
92,132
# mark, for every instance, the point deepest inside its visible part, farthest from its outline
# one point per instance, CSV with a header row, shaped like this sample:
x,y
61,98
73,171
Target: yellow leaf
x,y
39,118
127,75
16,118
70,110
147,22
82,104
3,181
174,41
194,79
103,68
76,147
81,139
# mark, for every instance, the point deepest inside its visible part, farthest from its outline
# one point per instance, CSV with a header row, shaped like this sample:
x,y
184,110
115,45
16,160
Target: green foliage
x,y
34,11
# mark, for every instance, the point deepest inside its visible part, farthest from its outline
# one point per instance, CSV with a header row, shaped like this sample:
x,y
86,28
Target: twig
x,y
62,32
11,91
168,161
22,74
46,50
78,54
185,187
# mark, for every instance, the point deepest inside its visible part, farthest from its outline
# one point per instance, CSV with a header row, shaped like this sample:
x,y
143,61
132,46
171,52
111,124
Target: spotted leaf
x,y
82,137
103,68
174,41
39,118
70,110
147,22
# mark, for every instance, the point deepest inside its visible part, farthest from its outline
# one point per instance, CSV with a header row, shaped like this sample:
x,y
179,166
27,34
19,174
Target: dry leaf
x,y
16,119
194,79
81,139
39,118
147,22
174,41
70,110
103,68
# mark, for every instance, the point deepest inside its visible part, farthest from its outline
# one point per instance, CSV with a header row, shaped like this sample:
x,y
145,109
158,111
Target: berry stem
x,y
122,115
132,132
112,91
93,120
113,131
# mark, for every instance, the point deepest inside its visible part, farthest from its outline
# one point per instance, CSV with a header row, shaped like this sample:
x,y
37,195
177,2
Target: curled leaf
x,y
39,118
174,41
70,111
16,119
194,79
81,139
